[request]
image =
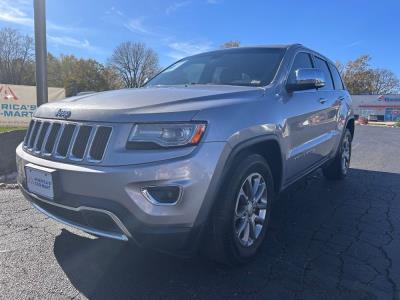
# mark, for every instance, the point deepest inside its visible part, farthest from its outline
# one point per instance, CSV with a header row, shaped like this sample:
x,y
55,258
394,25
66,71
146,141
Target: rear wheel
x,y
241,216
339,167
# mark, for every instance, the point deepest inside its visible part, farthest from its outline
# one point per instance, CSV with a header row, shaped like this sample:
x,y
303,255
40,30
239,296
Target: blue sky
x,y
342,30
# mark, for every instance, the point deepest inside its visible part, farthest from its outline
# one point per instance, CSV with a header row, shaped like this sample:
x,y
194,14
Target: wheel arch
x,y
268,147
259,145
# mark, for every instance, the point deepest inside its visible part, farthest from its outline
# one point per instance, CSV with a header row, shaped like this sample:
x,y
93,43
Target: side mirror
x,y
306,79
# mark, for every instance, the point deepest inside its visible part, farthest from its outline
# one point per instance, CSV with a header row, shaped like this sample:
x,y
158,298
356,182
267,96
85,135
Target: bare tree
x,y
361,78
231,44
16,57
134,63
384,82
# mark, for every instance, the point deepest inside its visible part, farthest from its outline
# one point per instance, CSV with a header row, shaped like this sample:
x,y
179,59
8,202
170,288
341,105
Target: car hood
x,y
173,103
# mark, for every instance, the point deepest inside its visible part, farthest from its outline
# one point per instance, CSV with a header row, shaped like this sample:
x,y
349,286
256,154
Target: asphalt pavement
x,y
327,240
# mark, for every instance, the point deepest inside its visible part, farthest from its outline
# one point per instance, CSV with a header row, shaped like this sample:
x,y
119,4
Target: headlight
x,y
153,136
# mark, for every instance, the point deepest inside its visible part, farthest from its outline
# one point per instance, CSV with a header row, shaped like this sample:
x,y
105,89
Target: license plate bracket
x,y
40,181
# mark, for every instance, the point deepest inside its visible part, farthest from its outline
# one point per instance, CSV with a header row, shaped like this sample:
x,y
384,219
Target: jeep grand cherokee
x,y
196,157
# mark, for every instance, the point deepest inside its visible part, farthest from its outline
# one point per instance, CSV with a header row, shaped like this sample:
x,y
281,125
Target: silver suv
x,y
195,158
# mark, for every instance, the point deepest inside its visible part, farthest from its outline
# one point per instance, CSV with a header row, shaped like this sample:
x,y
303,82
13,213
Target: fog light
x,y
162,195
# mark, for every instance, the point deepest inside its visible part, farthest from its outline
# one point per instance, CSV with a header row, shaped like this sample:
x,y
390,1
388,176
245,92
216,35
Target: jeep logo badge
x,y
64,114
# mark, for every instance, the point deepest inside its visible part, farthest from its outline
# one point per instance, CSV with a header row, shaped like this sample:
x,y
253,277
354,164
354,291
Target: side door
x,y
341,104
304,126
330,100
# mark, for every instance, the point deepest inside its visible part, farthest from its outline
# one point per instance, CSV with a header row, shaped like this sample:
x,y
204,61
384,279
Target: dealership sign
x,y
18,103
389,98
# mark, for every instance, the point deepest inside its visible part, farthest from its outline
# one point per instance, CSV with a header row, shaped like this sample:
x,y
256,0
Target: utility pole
x,y
40,51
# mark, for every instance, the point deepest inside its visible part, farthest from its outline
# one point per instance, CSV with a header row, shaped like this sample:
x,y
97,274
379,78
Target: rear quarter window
x,y
337,80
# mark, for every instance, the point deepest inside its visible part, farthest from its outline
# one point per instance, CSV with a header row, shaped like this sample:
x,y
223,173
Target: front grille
x,y
99,143
67,140
32,138
42,134
51,140
81,141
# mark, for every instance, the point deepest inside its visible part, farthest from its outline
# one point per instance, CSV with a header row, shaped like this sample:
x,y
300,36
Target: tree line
x,y
132,63
129,66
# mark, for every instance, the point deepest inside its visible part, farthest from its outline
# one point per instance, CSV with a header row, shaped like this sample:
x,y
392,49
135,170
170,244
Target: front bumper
x,y
108,201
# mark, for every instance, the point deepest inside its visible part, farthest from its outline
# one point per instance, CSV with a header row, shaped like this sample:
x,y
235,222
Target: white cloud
x,y
70,42
117,17
182,49
136,25
175,6
13,12
19,12
16,12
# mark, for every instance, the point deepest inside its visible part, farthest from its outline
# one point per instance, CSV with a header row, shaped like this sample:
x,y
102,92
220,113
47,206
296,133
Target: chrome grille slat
x,y
73,140
37,136
28,132
33,135
46,137
99,143
91,137
81,143
57,141
51,139
40,136
67,141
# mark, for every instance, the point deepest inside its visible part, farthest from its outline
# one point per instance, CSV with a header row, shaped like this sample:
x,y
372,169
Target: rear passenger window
x,y
302,60
337,80
322,64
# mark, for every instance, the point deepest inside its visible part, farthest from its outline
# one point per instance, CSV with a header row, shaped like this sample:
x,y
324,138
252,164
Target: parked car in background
x,y
195,159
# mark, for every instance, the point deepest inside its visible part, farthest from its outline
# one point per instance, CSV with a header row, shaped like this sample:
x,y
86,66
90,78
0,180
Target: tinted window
x,y
302,60
321,64
336,78
246,66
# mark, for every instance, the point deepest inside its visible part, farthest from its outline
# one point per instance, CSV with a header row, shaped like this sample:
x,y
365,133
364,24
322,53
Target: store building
x,y
377,107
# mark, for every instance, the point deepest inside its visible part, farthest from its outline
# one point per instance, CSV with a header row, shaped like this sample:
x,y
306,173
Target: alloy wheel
x,y
250,209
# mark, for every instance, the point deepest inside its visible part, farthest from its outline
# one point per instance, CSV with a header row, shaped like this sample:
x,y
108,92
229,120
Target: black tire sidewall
x,y
251,164
333,170
346,135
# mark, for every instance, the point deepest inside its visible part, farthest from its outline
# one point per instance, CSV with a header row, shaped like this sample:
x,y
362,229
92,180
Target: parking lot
x,y
327,240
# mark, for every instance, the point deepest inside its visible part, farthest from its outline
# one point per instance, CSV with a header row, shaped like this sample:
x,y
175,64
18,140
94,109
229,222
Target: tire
x,y
239,225
339,166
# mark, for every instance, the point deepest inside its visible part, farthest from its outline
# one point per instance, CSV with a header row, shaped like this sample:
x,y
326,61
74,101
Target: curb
x,y
8,186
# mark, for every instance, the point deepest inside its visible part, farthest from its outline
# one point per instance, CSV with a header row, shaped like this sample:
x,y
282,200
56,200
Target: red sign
x,y
7,93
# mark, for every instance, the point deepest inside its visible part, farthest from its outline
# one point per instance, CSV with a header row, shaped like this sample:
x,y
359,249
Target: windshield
x,y
242,66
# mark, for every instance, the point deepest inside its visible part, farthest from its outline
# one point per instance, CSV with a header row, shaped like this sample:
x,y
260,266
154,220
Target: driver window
x,y
302,60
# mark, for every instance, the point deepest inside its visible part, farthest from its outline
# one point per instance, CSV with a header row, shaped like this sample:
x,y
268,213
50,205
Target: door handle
x,y
322,100
341,98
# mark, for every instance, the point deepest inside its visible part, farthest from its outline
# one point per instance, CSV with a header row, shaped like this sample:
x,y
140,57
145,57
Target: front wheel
x,y
339,167
241,216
